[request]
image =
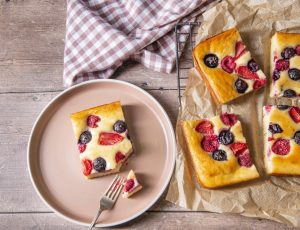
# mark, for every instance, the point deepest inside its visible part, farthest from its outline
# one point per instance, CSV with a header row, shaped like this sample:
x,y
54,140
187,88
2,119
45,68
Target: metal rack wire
x,y
185,41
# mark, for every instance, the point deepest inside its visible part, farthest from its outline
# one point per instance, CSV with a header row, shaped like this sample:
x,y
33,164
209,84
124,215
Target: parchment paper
x,y
275,198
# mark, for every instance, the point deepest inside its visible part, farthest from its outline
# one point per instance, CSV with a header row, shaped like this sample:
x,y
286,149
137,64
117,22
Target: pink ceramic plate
x,y
54,164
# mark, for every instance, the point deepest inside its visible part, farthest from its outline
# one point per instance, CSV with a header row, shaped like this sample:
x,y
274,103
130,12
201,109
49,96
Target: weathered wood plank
x,y
149,220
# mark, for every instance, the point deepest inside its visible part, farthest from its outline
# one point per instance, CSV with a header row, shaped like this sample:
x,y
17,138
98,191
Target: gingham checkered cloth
x,y
101,35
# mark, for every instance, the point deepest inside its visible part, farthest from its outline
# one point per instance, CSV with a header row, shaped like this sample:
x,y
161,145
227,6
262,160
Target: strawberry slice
x,y
129,185
205,127
210,143
119,157
92,121
87,166
259,83
228,64
229,119
245,159
246,73
240,49
238,148
81,147
295,114
109,138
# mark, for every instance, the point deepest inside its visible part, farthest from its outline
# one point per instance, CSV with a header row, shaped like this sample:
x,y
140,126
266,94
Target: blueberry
x,y
294,74
99,164
226,137
219,155
282,107
287,53
85,137
289,93
297,137
275,128
276,75
120,126
211,60
252,66
240,85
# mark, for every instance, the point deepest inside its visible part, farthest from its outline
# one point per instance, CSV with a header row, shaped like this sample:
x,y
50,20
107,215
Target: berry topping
x,y
294,74
275,128
282,107
275,75
120,126
85,137
268,108
219,155
210,143
288,53
289,93
99,164
240,49
252,65
246,73
81,147
226,137
228,64
297,137
109,138
282,65
211,60
245,159
295,114
129,185
298,49
87,166
259,83
229,118
205,127
238,148
281,147
240,85
92,120
119,157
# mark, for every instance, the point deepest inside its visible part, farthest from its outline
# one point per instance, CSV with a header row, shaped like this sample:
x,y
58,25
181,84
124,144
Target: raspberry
x,y
295,114
92,120
298,49
281,147
238,148
229,119
87,166
240,49
228,64
119,157
109,138
259,83
129,185
210,143
205,127
268,108
246,73
81,147
245,159
282,65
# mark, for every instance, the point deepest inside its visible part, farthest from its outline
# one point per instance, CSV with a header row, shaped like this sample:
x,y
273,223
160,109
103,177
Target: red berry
x,y
295,114
268,108
229,118
119,157
282,65
92,120
81,147
129,185
245,159
259,83
87,167
210,143
109,138
205,127
246,73
238,148
240,49
281,147
298,49
228,64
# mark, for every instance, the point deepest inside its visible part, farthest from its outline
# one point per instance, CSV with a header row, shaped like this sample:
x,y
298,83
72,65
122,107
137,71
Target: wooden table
x,y
31,65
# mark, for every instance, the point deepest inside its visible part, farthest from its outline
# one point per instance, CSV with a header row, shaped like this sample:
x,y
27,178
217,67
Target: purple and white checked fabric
x,y
101,35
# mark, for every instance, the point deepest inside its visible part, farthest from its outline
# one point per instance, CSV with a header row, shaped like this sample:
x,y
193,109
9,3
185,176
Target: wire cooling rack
x,y
185,42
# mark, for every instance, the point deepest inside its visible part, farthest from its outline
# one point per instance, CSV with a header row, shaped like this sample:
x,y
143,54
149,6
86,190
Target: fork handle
x,y
95,218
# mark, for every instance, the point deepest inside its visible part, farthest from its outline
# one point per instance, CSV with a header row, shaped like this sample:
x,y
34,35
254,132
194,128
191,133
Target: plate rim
x,y
168,178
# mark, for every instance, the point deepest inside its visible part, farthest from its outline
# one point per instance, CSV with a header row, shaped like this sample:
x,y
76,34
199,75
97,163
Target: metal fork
x,y
109,198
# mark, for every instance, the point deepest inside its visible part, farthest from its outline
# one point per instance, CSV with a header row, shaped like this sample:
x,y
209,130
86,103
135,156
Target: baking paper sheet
x,y
275,198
